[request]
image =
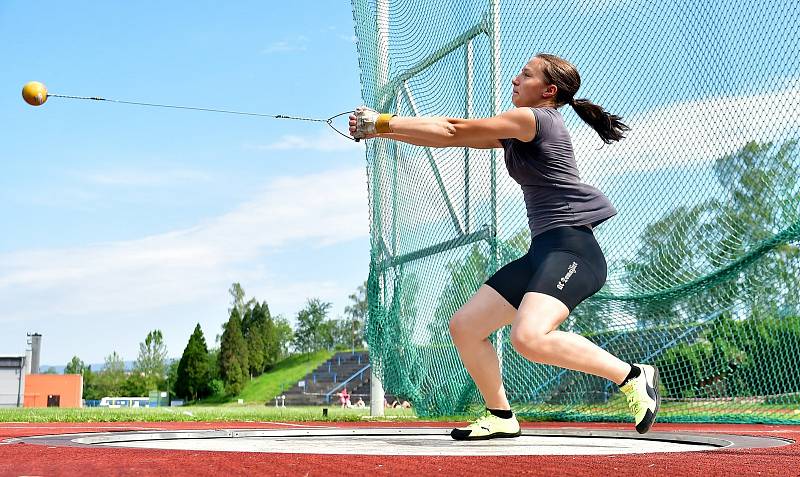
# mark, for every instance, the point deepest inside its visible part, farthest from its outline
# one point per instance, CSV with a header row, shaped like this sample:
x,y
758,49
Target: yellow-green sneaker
x,y
643,398
488,426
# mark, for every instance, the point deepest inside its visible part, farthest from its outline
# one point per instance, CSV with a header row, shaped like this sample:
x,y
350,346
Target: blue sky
x,y
120,219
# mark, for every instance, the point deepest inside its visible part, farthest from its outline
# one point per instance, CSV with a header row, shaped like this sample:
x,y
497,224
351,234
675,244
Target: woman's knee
x,y
484,313
459,326
462,327
532,344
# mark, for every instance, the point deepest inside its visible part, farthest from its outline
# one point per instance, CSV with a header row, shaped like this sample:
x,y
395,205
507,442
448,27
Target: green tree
x,y
90,384
356,316
689,243
172,377
313,334
466,276
111,378
761,180
590,317
151,363
267,338
254,330
256,348
134,385
213,364
75,366
269,335
668,254
343,334
284,337
192,373
238,302
233,358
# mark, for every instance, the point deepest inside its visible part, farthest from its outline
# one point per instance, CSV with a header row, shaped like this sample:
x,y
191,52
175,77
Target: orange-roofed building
x,y
53,390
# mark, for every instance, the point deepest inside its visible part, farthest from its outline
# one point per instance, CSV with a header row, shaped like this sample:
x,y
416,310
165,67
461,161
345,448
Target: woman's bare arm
x,y
517,123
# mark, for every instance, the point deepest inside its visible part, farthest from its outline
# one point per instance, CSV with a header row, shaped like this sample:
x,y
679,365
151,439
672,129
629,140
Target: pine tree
x,y
193,373
269,333
252,329
233,362
256,349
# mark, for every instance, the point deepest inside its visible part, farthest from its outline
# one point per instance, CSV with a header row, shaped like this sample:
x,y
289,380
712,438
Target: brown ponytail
x,y
609,126
565,76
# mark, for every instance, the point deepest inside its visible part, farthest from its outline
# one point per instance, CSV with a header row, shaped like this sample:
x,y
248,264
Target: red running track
x,y
32,459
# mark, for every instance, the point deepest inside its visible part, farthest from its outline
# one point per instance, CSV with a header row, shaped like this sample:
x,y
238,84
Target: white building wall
x,y
12,381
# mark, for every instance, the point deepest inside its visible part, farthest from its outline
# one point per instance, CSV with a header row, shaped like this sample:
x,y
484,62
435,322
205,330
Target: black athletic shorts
x,y
565,263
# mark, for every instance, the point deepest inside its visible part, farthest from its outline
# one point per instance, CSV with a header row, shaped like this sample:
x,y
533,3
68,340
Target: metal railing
x,y
359,373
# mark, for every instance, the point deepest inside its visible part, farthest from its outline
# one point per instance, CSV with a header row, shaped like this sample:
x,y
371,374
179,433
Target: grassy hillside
x,y
284,375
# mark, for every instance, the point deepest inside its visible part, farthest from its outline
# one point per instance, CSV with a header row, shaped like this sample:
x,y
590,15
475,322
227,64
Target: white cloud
x,y
681,134
77,198
297,43
192,265
693,132
138,178
187,266
325,141
281,295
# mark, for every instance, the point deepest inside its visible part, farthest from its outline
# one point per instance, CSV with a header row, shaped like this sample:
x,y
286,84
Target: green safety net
x,y
704,255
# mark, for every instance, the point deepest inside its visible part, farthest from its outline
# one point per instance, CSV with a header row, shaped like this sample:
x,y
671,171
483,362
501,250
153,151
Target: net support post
x,y
494,38
376,394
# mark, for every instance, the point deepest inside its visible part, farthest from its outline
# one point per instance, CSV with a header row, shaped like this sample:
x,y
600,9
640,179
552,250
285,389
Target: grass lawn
x,y
670,412
195,413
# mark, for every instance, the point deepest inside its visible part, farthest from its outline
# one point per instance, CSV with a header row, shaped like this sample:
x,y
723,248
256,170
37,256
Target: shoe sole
x,y
496,435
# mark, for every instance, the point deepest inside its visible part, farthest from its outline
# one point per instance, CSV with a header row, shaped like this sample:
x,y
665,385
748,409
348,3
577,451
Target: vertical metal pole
x,y
393,154
21,370
382,20
494,38
469,113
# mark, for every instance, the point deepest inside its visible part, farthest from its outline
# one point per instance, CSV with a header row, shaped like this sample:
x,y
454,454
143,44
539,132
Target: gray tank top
x,y
546,169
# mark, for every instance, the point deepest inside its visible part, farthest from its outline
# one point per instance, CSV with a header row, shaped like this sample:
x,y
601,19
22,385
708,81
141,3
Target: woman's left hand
x,y
362,123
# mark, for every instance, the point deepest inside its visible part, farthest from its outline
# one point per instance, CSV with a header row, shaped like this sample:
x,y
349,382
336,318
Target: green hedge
x,y
744,358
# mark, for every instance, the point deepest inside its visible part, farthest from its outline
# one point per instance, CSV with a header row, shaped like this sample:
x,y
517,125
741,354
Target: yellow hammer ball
x,y
34,93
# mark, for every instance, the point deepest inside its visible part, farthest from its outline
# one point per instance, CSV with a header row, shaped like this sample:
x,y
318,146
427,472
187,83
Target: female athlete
x,y
564,266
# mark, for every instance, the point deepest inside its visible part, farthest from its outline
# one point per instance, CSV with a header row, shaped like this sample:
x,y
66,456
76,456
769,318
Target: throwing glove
x,y
369,122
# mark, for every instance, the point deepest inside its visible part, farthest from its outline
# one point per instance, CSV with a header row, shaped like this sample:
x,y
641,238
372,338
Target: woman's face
x,y
530,87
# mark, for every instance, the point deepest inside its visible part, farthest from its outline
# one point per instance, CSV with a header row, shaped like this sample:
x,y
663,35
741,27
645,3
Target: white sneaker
x,y
488,426
643,398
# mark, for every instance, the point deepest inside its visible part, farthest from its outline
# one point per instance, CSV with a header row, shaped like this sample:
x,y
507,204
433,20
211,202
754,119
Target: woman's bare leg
x,y
470,327
534,336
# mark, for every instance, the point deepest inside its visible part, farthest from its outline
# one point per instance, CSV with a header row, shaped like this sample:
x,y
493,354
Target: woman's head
x,y
547,80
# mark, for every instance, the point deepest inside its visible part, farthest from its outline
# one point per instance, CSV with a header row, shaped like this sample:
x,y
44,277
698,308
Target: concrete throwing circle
x,y
412,441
